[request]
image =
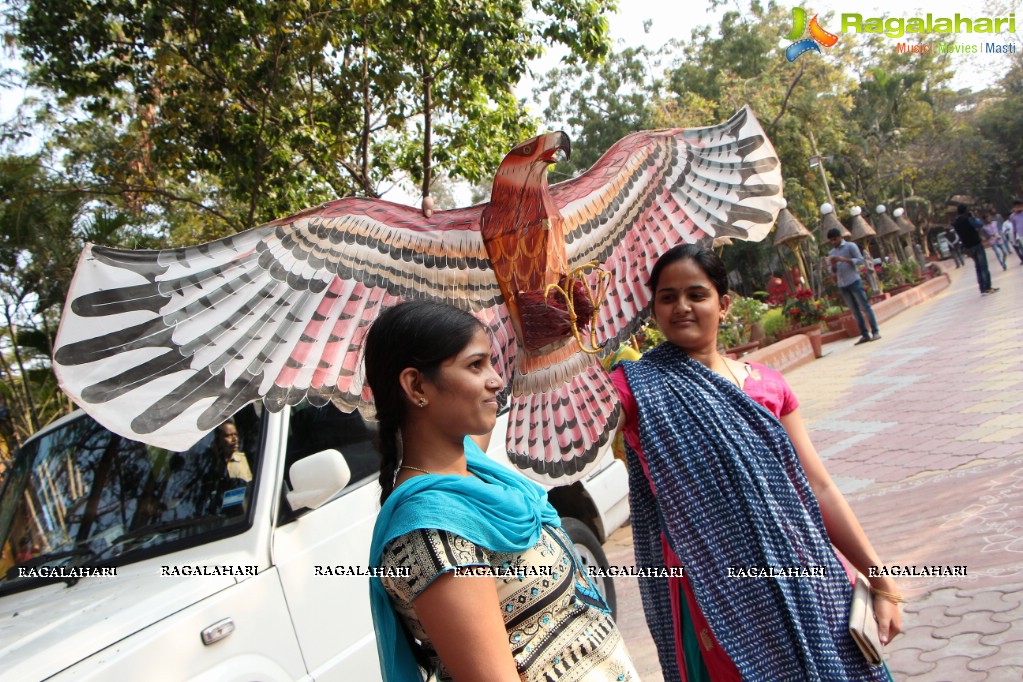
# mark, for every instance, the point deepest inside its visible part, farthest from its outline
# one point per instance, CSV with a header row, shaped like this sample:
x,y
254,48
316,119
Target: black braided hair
x,y
419,334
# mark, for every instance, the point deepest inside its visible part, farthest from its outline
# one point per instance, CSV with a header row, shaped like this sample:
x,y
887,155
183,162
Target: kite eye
x,y
527,150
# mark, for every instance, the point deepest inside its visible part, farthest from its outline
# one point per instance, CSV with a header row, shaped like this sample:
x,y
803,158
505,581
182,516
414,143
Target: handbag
x,y
863,622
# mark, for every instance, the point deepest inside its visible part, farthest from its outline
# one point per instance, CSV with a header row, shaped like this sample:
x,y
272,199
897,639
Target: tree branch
x,y
785,102
129,189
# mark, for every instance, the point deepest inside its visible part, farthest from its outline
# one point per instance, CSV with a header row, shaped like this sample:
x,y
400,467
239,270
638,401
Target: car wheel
x,y
592,554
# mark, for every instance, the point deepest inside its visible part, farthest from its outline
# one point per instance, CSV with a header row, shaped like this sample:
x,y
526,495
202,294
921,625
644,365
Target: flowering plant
x,y
802,309
737,327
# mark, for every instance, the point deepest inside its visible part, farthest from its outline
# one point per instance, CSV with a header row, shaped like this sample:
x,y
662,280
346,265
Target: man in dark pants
x,y
844,260
973,245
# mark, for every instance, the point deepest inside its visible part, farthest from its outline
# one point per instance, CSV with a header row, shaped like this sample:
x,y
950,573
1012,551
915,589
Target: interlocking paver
x,y
1013,634
1002,657
979,622
965,644
917,637
1013,595
936,616
985,601
1013,616
907,661
953,669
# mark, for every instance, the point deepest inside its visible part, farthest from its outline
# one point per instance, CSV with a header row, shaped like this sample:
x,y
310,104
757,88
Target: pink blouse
x,y
765,385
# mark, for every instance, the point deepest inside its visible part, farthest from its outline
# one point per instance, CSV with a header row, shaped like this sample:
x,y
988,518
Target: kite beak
x,y
553,142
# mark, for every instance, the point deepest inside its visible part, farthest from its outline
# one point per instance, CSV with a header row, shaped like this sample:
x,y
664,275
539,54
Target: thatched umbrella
x,y
908,230
789,232
888,231
859,228
830,221
903,221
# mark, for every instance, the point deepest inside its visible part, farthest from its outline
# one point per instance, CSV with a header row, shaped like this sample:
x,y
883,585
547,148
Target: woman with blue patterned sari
x,y
725,481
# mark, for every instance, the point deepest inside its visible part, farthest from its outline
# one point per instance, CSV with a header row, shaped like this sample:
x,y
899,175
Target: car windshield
x,y
81,495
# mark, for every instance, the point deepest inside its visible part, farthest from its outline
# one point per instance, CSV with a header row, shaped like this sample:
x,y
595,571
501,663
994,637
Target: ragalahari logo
x,y
818,36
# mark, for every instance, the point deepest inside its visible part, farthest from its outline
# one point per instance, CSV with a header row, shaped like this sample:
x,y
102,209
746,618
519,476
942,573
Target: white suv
x,y
123,561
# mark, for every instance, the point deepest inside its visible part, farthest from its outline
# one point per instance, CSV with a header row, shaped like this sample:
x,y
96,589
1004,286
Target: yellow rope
x,y
597,295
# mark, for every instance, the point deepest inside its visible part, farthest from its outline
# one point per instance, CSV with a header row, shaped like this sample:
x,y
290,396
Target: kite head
x,y
526,164
520,185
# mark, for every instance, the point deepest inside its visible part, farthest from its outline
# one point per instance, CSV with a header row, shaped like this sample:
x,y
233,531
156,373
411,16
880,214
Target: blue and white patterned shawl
x,y
733,493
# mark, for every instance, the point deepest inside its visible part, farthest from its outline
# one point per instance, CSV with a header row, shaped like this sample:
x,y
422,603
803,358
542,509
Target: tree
x,y
601,103
41,229
998,119
243,111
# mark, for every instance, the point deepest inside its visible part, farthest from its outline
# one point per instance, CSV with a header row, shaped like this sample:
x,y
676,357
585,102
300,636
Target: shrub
x,y
803,309
738,324
774,322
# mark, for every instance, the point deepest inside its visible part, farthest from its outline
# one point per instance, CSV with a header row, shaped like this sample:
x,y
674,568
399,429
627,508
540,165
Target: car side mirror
x,y
317,478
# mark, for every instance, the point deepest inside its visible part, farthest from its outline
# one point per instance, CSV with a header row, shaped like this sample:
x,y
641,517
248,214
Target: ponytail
x,y
390,456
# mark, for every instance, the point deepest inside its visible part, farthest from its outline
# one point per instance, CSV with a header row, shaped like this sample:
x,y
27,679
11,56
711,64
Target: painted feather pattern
x,y
162,346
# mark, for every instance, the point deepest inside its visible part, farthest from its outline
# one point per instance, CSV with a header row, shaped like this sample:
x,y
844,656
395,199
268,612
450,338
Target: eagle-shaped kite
x,y
162,346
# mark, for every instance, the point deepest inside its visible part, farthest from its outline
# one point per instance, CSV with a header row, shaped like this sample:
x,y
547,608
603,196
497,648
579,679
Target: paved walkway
x,y
923,431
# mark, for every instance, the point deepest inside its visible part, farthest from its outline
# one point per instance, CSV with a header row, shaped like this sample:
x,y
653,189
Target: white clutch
x,y
863,623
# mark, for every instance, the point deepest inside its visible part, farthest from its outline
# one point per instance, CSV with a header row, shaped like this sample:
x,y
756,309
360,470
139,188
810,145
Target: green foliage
x,y
802,309
601,103
911,271
219,116
738,323
649,336
892,275
774,322
42,224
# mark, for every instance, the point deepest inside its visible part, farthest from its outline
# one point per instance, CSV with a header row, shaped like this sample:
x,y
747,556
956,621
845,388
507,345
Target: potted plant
x,y
833,315
806,314
911,272
737,328
774,324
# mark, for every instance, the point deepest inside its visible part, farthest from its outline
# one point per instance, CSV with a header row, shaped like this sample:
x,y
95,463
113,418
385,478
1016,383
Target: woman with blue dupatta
x,y
492,588
725,481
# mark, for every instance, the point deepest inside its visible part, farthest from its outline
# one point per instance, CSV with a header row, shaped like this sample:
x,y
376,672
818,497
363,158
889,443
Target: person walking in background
x,y
992,235
1016,233
844,261
969,235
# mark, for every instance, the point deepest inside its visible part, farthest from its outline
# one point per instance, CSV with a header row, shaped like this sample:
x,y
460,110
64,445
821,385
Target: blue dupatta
x,y
496,508
732,493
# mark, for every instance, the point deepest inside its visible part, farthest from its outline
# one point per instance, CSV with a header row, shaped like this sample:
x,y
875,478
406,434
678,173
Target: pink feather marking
x,y
303,349
332,350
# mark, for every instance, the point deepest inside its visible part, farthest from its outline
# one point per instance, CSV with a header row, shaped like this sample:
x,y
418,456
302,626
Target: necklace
x,y
734,378
406,466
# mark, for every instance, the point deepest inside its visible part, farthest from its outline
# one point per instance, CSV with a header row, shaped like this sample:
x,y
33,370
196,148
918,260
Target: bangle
x,y
893,597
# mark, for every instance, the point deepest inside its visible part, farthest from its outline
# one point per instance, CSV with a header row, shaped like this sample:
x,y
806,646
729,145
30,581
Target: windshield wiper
x,y
165,527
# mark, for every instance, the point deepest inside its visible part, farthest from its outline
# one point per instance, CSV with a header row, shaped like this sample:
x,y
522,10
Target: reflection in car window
x,y
81,495
314,429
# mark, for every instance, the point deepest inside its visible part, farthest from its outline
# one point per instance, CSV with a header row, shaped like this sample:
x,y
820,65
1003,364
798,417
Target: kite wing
x,y
162,346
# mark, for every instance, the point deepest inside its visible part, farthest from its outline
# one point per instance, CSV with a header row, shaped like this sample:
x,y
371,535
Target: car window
x,y
81,495
314,429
